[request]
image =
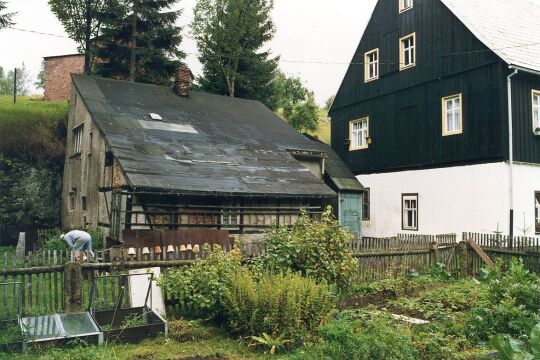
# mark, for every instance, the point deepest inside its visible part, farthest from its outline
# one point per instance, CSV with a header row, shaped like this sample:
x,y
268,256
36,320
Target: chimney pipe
x,y
182,81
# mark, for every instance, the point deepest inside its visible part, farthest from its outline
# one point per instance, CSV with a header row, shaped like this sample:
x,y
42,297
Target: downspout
x,y
511,154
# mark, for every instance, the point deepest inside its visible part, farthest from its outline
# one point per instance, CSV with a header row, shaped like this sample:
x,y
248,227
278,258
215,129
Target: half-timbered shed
x,y
142,156
439,116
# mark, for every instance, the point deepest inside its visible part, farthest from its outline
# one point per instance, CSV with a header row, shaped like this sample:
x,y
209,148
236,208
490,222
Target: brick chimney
x,y
182,81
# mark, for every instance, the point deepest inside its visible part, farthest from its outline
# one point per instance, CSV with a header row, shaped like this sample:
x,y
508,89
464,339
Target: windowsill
x,y
401,11
409,229
401,68
74,156
452,133
359,148
370,80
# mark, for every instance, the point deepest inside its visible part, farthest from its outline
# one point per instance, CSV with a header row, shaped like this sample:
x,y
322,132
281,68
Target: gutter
x,y
511,150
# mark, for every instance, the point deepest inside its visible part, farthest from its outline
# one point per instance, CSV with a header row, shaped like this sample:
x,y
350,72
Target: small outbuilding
x,y
142,156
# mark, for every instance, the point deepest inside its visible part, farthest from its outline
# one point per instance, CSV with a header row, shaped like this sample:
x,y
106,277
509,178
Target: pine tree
x,y
156,38
230,34
5,18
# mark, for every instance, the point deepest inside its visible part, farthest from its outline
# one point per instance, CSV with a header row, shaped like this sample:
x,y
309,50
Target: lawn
x,y
29,109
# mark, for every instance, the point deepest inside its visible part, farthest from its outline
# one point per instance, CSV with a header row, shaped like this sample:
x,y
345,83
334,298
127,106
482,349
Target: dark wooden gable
x,y
404,107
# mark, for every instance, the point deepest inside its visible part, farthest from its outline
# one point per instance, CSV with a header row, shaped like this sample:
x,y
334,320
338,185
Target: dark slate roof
x,y
336,170
206,144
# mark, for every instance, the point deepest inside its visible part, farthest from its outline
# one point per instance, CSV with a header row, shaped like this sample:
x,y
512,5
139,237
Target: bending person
x,y
79,241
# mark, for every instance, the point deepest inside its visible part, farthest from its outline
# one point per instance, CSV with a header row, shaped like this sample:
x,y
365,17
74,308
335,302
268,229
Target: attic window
x,y
155,117
405,5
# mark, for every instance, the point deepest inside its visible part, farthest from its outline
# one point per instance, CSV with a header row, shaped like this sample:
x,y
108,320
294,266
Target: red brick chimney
x,y
182,81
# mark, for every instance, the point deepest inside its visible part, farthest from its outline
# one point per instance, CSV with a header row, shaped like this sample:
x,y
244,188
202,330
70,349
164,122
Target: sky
x,y
315,39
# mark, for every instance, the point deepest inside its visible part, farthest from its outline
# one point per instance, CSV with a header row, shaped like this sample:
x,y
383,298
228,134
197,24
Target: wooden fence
x,y
500,247
42,282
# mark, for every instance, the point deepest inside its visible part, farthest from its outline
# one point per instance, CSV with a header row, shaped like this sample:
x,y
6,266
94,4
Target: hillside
x,y
32,143
323,132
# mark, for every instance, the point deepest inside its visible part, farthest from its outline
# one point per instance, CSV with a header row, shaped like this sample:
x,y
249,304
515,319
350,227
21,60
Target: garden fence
x,y
44,285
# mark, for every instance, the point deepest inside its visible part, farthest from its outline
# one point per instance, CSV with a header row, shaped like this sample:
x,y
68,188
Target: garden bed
x,y
130,325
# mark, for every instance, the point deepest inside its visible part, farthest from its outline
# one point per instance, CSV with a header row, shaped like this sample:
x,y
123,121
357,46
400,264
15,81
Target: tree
x,y
304,116
5,18
82,21
297,102
23,81
230,35
141,43
329,102
40,81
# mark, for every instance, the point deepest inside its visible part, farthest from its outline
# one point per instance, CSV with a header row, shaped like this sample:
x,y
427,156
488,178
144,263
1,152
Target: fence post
x,y
434,254
463,259
73,282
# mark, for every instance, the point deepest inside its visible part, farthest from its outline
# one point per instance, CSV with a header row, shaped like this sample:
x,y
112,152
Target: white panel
x,y
454,199
157,125
138,286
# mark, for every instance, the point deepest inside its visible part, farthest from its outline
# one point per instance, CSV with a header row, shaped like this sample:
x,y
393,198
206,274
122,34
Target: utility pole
x,y
133,42
15,86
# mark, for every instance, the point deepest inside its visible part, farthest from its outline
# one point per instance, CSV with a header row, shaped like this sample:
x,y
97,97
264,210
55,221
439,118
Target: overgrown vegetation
x,y
316,249
32,137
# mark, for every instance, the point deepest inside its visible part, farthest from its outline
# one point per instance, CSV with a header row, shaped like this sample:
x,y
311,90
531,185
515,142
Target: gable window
x,y
537,212
365,205
409,206
536,110
359,134
405,5
371,65
407,52
452,115
71,201
77,139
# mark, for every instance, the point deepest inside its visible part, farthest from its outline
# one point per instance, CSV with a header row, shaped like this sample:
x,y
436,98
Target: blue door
x,y
350,212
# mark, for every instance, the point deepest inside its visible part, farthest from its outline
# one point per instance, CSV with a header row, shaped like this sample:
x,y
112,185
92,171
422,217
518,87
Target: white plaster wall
x,y
453,200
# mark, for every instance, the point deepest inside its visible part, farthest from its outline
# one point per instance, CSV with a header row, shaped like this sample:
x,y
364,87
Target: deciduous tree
x,y
82,21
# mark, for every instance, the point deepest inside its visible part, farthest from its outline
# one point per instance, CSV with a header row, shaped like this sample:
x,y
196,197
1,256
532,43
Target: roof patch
x,y
181,128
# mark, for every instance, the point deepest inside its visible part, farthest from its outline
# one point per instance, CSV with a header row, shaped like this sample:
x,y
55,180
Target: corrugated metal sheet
x,y
238,146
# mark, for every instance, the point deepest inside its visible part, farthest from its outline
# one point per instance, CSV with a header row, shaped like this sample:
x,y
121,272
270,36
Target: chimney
x,y
182,81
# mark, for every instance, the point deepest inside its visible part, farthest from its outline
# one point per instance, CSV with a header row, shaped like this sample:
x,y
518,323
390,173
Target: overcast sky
x,y
309,33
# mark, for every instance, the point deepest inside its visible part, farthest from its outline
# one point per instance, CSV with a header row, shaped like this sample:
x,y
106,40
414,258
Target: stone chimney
x,y
182,81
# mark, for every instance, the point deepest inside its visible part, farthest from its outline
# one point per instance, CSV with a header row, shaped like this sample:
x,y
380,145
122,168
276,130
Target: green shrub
x,y
286,306
199,286
511,305
510,349
55,243
320,250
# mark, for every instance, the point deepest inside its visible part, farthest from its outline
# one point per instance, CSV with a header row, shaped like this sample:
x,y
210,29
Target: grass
x,y
30,109
186,339
32,129
323,131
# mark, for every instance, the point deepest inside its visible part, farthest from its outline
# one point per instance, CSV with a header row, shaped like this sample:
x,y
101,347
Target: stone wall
x,y
57,75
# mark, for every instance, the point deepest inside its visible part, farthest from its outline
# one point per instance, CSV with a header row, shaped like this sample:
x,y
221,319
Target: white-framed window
x,y
405,5
407,51
371,65
409,206
452,115
77,139
536,109
359,134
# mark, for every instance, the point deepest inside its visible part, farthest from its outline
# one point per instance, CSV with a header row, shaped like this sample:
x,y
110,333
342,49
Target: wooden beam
x,y
487,260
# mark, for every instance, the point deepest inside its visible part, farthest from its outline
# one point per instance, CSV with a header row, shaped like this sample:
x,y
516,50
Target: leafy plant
x,y
320,250
134,320
513,349
281,305
199,287
275,344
